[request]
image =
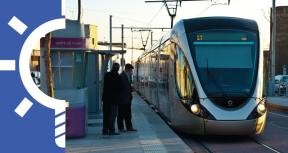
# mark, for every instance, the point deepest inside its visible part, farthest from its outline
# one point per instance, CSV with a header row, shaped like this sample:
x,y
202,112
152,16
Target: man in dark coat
x,y
124,107
110,98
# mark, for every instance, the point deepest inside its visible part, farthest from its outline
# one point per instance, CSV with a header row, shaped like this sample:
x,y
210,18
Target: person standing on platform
x,y
124,107
110,98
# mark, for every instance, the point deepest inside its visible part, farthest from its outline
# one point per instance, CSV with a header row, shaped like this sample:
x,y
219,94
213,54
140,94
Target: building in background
x,y
35,60
91,34
281,54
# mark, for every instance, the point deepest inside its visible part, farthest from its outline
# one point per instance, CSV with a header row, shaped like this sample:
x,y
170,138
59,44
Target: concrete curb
x,y
277,107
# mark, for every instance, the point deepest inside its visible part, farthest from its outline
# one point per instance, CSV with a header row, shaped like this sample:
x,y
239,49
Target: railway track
x,y
202,144
267,146
212,145
271,141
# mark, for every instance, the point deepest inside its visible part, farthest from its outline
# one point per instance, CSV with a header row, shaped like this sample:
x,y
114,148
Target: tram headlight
x,y
261,108
195,108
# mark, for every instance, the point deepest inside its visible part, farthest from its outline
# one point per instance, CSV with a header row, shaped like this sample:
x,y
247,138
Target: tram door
x,y
154,79
163,81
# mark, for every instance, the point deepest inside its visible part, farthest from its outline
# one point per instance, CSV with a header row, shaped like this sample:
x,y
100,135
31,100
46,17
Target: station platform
x,y
153,135
279,103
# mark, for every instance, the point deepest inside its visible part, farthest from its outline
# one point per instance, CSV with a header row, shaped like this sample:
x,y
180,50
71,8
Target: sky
x,y
138,13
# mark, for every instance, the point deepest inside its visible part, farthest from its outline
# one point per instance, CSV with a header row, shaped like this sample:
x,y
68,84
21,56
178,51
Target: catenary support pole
x,y
273,46
151,38
110,61
122,40
132,48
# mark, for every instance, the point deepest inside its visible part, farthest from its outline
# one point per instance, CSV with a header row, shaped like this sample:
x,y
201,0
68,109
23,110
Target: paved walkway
x,y
278,103
153,136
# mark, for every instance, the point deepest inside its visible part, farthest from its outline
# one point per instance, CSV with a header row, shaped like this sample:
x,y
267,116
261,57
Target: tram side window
x,y
184,79
163,67
153,69
146,71
138,72
142,72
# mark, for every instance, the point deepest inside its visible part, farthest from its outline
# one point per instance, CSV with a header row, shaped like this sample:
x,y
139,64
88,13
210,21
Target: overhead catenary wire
x,y
128,19
116,17
154,17
205,9
120,18
172,6
213,4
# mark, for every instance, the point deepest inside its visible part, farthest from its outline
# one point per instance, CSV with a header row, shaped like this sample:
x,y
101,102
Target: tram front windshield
x,y
226,62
